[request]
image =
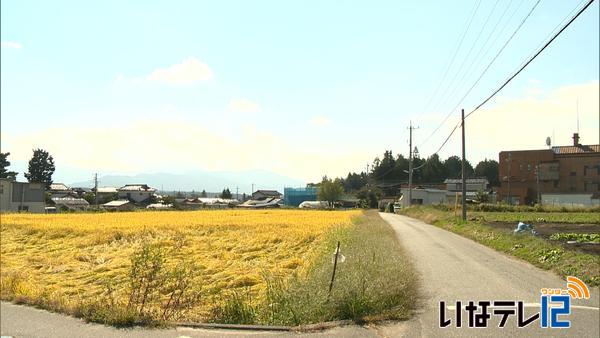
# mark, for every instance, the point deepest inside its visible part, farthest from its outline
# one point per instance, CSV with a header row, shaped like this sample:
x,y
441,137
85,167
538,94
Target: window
x,y
520,167
556,184
573,173
529,167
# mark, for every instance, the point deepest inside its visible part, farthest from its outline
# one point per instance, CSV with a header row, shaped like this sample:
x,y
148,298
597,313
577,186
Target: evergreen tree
x,y
226,194
489,169
41,168
453,167
434,170
4,163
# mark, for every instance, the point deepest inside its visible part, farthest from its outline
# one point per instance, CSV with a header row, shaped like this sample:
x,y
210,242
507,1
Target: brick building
x,y
567,171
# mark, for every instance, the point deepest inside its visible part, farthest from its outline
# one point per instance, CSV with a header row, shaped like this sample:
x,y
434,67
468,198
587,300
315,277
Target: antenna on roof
x,y
577,116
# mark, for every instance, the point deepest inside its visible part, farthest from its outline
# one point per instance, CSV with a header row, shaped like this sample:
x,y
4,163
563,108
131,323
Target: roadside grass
x,y
375,282
504,213
535,250
552,217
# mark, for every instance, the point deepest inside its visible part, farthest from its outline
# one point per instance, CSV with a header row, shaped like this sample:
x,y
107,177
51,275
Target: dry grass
x,y
56,260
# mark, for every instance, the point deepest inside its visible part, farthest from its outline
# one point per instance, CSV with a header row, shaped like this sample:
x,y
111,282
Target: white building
x,y
118,205
21,196
136,192
571,200
423,196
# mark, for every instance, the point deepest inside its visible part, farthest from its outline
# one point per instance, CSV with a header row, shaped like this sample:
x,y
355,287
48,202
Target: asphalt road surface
x,y
451,268
454,268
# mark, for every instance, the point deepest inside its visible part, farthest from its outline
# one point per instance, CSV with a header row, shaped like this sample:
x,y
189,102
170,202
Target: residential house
x,y
264,194
21,196
70,203
137,193
60,190
106,194
473,185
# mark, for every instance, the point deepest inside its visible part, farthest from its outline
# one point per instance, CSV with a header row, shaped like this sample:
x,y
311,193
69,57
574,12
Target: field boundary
x,y
281,328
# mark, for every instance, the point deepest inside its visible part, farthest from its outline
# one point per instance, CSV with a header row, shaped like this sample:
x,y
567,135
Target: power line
x,y
497,54
483,73
532,58
461,39
469,71
444,97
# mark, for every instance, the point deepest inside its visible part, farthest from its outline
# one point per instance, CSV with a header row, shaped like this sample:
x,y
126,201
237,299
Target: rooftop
x,y
580,149
69,201
136,187
59,186
116,203
477,180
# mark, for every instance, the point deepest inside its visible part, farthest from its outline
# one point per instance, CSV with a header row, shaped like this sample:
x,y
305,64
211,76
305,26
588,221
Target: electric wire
x,y
532,58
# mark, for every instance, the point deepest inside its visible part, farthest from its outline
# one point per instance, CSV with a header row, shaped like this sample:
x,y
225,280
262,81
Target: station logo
x,y
554,308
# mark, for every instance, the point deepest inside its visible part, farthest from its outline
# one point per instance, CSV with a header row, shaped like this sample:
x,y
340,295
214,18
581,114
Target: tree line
x,y
40,169
432,170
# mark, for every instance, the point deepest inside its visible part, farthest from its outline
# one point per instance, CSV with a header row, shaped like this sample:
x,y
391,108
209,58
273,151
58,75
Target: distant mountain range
x,y
211,181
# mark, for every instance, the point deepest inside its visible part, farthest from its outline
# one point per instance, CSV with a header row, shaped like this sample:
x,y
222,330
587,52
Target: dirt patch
x,y
547,229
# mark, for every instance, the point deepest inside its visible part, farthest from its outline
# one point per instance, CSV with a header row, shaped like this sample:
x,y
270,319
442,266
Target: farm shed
x,y
118,205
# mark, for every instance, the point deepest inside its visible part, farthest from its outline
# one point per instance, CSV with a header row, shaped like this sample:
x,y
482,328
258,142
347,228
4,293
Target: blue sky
x,y
300,88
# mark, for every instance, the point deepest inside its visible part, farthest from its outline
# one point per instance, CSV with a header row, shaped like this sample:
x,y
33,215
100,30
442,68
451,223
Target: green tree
x,y
453,167
488,169
226,194
41,168
4,163
330,190
90,197
384,169
203,194
369,197
354,182
434,170
482,196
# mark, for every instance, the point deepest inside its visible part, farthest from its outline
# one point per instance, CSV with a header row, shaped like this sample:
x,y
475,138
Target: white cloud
x,y
189,71
11,44
165,145
244,106
523,123
319,121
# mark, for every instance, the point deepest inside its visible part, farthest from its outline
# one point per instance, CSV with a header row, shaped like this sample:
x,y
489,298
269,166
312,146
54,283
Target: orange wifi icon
x,y
577,289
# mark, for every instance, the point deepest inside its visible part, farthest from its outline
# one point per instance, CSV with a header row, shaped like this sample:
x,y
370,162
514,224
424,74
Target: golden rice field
x,y
75,255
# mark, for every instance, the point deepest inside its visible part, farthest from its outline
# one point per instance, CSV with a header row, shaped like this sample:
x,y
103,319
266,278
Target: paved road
x,y
451,268
26,322
455,268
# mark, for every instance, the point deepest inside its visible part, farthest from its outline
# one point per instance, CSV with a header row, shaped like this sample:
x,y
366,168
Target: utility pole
x,y
410,163
464,179
367,168
96,189
237,195
537,182
252,188
509,166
